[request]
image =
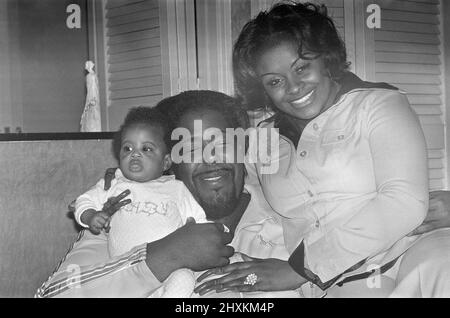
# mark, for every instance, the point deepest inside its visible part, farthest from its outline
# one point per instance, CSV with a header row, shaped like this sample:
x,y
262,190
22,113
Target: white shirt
x,y
158,207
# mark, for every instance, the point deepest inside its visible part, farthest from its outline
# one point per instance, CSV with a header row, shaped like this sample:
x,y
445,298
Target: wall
x,y
39,179
240,15
47,82
8,55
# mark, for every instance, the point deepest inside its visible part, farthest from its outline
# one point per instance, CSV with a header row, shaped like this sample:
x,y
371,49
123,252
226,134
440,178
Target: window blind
x,y
133,56
408,55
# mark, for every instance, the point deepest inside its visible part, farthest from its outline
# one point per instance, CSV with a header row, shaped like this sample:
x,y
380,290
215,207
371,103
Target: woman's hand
x,y
438,215
271,275
194,246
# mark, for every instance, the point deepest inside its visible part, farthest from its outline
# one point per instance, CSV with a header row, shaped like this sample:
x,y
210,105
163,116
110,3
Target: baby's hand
x,y
98,222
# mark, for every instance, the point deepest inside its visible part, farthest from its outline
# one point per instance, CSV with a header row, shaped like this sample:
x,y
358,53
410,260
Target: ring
x,y
251,279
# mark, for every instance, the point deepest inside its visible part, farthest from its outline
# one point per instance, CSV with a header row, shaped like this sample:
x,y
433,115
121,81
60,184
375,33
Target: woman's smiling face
x,y
297,87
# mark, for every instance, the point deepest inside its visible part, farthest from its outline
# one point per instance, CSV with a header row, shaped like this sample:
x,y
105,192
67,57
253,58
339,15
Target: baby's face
x,y
143,153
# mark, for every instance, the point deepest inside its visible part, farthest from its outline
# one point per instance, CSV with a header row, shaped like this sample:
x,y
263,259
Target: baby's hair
x,y
305,24
143,116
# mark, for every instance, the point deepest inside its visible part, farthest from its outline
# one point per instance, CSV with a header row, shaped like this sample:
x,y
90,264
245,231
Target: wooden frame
x,y
445,53
10,97
214,42
97,53
365,43
349,32
169,55
178,50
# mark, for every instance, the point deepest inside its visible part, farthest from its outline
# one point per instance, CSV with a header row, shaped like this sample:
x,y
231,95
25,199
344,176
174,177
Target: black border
x,y
56,136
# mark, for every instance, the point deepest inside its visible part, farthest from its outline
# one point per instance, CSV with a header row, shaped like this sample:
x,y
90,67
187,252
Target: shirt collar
x,y
120,177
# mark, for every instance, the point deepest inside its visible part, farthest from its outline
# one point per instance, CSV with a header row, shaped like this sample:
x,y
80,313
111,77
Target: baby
x,y
159,203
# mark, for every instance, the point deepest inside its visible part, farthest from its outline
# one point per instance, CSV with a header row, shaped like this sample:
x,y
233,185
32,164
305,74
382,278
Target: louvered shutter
x,y
408,55
133,56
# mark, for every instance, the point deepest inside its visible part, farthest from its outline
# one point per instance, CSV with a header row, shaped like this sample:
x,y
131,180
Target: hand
x,y
71,206
98,222
194,246
110,173
272,275
438,215
113,204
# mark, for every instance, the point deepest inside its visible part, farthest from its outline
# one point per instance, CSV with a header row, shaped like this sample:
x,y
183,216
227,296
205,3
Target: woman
x,y
352,182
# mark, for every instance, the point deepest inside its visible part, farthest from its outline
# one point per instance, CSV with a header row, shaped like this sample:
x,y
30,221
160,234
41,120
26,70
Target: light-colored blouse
x,y
355,185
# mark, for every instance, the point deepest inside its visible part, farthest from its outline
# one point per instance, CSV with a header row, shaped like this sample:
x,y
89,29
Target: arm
x,y
91,200
88,271
438,215
398,154
93,209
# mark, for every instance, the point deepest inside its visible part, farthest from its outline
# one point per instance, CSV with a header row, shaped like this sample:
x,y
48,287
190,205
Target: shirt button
x,y
340,137
303,153
317,223
310,193
315,126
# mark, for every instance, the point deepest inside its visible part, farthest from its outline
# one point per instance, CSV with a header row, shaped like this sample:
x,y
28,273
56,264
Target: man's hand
x,y
194,246
438,213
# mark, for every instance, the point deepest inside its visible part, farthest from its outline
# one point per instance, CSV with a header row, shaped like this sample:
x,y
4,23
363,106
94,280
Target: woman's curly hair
x,y
305,24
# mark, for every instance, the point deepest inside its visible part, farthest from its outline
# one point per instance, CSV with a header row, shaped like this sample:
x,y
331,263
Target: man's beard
x,y
219,206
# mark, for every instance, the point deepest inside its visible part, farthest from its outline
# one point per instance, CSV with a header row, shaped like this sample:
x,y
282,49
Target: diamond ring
x,y
251,279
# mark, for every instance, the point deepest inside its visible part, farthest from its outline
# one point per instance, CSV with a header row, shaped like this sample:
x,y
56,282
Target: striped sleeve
x,y
88,271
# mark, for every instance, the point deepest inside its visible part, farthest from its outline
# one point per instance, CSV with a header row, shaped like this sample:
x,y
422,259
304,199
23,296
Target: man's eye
x,y
127,148
147,149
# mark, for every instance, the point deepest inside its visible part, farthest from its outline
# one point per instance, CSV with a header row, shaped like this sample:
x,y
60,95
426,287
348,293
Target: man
x,y
88,271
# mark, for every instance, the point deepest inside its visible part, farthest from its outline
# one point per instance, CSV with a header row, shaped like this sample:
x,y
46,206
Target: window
x,y
146,50
408,54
